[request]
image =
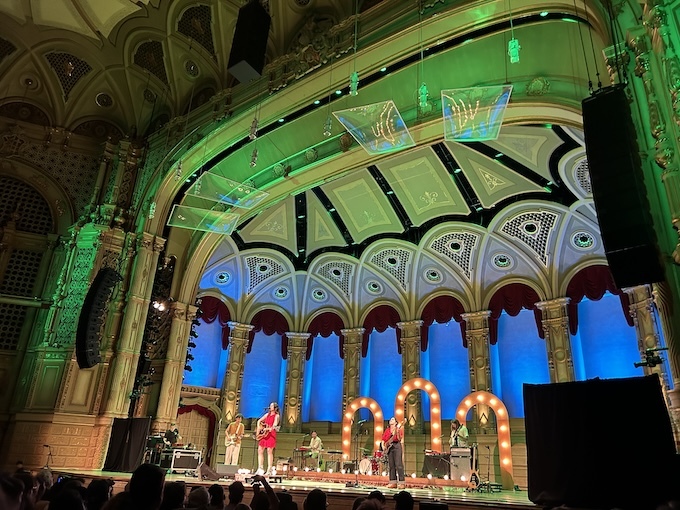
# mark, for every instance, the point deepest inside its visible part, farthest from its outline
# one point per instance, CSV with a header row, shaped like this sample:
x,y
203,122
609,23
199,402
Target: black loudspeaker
x,y
92,316
438,465
600,444
248,48
618,189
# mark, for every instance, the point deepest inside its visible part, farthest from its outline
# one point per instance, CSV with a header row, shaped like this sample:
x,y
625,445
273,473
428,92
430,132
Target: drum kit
x,y
373,464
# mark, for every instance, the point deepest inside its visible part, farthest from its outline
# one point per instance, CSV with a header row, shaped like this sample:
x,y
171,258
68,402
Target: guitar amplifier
x,y
460,464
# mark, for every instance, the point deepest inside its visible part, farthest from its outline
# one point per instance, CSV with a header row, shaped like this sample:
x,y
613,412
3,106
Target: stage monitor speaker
x,y
579,458
249,45
228,470
619,191
92,316
436,465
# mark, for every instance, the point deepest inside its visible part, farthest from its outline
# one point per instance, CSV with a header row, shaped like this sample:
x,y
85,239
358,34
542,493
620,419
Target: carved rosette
x,y
297,347
558,343
351,351
410,369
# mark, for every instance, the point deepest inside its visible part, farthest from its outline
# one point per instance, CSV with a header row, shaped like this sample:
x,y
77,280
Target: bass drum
x,y
365,467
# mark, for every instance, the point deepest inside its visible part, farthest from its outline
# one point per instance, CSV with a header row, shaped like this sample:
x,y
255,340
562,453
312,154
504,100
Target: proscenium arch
x,y
353,407
503,422
418,383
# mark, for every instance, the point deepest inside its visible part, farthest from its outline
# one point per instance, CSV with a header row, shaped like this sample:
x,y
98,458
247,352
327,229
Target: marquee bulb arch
x,y
352,408
418,383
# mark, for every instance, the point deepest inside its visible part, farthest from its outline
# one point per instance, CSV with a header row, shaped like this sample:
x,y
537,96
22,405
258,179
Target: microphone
x,y
46,446
305,435
361,422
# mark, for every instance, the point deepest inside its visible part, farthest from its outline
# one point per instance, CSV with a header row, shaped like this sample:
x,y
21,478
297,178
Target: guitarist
x,y
266,436
232,440
392,440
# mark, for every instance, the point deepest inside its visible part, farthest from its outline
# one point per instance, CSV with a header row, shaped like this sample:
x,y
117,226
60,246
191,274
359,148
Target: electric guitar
x,y
232,439
387,445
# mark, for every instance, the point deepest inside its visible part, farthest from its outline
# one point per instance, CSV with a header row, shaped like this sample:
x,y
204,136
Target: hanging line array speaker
x,y
248,48
92,317
619,191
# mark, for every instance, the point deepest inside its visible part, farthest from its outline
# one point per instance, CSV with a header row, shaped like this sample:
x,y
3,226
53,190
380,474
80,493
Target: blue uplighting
x,y
322,393
522,358
384,371
205,366
261,375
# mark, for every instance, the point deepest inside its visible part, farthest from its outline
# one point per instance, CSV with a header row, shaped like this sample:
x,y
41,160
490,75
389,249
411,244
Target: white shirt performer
x,y
232,440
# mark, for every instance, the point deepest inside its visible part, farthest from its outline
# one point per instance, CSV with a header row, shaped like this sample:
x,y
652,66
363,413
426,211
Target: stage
x,y
341,496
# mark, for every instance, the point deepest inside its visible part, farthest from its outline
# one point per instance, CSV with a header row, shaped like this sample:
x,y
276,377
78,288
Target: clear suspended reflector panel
x,y
225,191
206,220
377,127
474,114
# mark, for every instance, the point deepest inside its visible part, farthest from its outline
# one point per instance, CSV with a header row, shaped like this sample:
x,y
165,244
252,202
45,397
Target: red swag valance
x,y
213,309
269,322
592,282
513,298
379,319
325,324
203,411
441,310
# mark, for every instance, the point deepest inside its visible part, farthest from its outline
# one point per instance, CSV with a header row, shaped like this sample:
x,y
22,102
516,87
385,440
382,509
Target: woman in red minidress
x,y
266,434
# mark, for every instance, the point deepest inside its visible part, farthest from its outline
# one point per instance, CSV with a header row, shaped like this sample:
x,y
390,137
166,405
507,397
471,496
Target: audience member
x,y
266,501
98,493
371,504
30,489
286,501
358,501
377,495
174,494
11,492
146,487
67,499
236,491
242,506
44,479
315,500
402,501
198,498
20,467
217,496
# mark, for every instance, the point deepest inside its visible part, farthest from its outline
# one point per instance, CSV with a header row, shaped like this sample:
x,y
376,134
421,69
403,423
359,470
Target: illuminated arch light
x,y
354,405
418,383
504,443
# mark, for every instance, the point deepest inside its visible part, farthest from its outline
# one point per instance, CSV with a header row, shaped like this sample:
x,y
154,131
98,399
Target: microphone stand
x,y
49,457
355,462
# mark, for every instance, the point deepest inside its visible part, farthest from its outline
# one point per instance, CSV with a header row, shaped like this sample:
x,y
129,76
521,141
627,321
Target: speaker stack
x,y
618,189
249,45
92,316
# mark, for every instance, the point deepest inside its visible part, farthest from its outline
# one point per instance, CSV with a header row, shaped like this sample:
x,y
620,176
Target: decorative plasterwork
x,y
533,230
459,247
261,269
340,274
275,225
396,262
528,145
423,186
361,203
491,181
322,232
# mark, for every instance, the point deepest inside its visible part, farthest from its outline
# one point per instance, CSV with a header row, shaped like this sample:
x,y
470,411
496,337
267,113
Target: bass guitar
x,y
474,482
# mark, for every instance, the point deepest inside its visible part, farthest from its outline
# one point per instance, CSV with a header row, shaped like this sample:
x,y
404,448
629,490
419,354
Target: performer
x,y
315,448
232,440
392,447
459,435
172,436
267,426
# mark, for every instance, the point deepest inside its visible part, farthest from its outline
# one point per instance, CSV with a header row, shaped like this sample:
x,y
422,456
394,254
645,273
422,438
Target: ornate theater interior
x,y
377,208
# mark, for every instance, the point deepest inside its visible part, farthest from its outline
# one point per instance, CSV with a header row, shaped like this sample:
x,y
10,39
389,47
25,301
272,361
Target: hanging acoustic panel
x,y
206,220
378,127
474,114
225,191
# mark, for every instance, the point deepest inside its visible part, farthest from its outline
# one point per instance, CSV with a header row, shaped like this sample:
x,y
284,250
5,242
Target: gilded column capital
x,y
477,320
554,304
145,241
158,244
294,335
352,332
239,330
410,329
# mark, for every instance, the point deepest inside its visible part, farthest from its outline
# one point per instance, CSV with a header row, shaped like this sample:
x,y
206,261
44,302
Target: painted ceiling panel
x,y
106,15
531,146
362,205
322,231
275,225
491,181
14,8
60,14
423,186
501,260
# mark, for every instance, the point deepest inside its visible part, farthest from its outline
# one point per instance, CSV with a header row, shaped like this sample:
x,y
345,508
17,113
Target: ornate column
x,y
129,342
410,368
297,347
233,377
477,337
557,339
352,353
173,368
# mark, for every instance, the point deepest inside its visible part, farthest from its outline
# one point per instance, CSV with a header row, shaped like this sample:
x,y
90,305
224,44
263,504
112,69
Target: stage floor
x,y
340,496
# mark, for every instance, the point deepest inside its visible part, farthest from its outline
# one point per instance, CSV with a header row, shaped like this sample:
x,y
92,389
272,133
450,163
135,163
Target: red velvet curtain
x,y
213,309
203,411
325,324
269,322
513,298
441,310
380,318
592,282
